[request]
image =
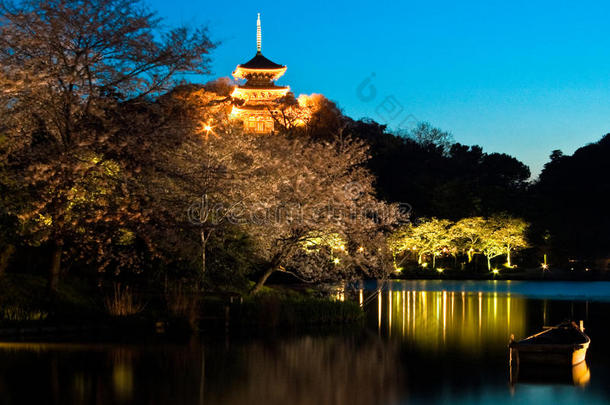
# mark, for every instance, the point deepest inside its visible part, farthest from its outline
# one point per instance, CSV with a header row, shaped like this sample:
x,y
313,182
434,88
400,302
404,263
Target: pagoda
x,y
256,100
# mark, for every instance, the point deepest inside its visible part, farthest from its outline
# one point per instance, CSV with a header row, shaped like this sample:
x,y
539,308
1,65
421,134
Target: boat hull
x,y
544,354
565,344
578,375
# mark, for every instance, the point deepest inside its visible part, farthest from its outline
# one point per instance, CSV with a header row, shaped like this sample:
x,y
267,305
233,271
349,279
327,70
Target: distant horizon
x,y
515,78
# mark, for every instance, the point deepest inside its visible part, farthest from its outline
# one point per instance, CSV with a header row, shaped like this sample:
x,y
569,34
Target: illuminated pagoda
x,y
259,95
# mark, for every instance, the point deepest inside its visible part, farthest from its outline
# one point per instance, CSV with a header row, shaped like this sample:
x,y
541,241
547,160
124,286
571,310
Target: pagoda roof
x,y
260,62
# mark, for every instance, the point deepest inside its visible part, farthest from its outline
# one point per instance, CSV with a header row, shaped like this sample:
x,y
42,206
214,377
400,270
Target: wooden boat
x,y
566,344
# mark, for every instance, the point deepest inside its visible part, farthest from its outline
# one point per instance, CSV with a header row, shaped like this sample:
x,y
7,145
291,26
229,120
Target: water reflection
x,y
306,370
122,373
578,375
420,345
437,320
98,373
316,370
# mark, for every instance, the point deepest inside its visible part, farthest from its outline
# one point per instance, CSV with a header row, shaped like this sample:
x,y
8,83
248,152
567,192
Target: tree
x,y
427,135
291,195
429,237
511,234
467,233
453,181
501,235
570,202
66,67
403,242
312,116
222,86
198,172
9,191
324,222
493,237
491,245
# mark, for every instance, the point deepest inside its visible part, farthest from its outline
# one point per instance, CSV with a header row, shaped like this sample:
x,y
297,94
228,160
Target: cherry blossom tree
x,y
66,68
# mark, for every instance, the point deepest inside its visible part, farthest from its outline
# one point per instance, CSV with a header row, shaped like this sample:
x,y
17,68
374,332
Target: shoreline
x,y
531,274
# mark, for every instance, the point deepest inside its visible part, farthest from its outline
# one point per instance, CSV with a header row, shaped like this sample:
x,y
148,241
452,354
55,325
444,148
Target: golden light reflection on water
x,y
458,320
122,374
302,370
319,368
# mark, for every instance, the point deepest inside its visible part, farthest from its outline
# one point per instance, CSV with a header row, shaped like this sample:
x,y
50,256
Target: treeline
x,y
441,178
565,206
428,240
438,177
570,205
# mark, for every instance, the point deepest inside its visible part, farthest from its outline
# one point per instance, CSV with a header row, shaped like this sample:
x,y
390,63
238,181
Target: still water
x,y
425,342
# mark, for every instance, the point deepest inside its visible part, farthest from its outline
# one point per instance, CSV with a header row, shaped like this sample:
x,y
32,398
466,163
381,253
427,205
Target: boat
x,y
564,344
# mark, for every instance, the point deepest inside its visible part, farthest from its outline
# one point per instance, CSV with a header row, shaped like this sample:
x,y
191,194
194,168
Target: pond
x,y
424,342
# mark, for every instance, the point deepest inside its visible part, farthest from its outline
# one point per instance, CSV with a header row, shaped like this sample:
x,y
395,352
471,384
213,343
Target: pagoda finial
x,y
258,33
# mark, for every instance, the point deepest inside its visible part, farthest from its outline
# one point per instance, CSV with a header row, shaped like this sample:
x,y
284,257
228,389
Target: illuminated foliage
x,y
313,116
492,237
428,238
511,235
467,234
333,241
500,236
492,245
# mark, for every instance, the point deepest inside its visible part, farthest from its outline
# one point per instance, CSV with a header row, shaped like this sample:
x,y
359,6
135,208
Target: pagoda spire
x,y
259,97
258,33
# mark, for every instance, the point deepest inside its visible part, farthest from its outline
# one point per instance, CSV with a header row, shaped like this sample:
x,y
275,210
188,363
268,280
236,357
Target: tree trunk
x,y
55,267
5,257
434,261
488,263
261,281
508,257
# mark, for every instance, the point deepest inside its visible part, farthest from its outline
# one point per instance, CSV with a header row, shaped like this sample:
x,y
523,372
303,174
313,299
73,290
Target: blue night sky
x,y
520,77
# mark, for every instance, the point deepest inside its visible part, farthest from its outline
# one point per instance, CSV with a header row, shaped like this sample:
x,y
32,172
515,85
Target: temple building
x,y
257,99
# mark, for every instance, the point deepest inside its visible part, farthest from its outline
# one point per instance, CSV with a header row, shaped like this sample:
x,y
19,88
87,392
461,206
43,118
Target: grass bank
x,y
28,308
269,310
